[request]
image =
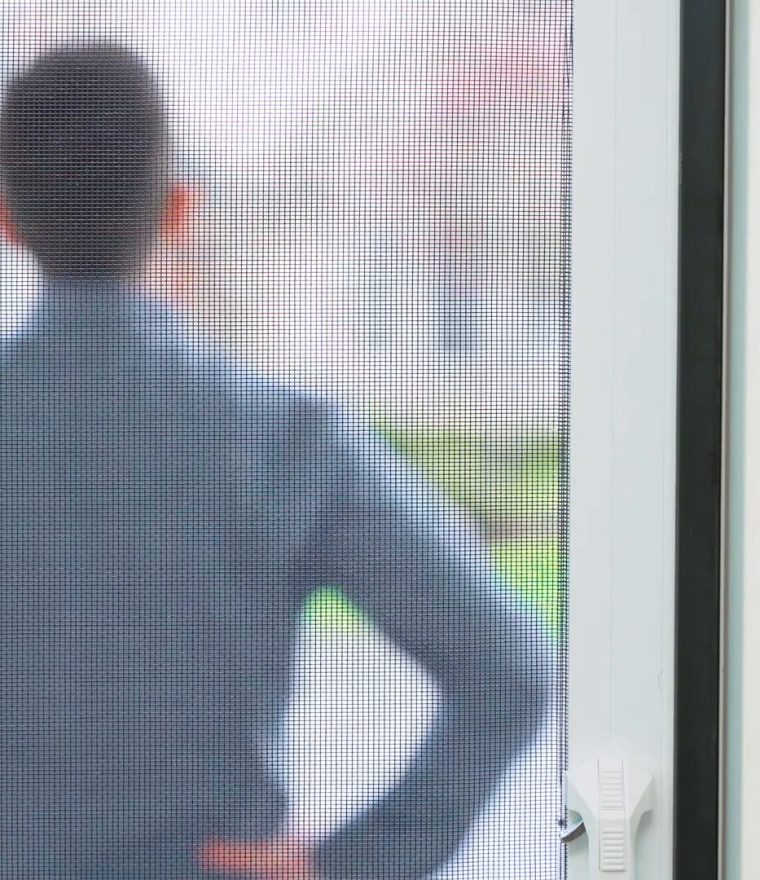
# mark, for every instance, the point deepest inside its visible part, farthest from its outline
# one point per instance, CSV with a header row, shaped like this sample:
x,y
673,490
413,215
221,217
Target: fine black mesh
x,y
284,388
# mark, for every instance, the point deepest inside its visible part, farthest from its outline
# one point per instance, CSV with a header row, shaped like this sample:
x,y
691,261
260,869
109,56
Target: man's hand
x,y
283,858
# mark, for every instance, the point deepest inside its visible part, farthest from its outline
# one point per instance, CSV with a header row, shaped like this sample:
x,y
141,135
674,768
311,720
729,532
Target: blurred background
x,y
381,198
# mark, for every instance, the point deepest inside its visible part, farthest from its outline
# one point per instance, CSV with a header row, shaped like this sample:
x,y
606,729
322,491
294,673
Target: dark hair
x,y
83,158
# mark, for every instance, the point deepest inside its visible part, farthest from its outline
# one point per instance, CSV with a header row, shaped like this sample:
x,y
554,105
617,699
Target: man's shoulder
x,y
173,344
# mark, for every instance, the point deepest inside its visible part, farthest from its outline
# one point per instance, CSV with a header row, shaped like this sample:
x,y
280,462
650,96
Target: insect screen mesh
x,y
283,438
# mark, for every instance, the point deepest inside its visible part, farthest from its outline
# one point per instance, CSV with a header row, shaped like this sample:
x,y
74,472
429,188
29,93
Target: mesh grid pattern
x,y
284,409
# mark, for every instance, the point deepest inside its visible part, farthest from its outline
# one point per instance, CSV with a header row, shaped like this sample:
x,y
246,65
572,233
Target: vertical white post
x,y
623,401
742,705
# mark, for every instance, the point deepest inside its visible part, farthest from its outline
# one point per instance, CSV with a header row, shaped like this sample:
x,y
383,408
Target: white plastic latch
x,y
610,794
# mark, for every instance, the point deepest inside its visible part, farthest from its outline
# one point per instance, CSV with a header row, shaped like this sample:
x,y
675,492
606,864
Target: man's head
x,y
84,160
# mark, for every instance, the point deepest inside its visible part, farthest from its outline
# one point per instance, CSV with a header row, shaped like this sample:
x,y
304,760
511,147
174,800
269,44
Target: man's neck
x,y
69,302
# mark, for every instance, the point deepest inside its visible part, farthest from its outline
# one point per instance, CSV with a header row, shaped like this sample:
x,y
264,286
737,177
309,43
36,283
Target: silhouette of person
x,y
165,514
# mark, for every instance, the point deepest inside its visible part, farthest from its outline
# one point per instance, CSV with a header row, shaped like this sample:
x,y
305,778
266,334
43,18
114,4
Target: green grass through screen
x,y
512,491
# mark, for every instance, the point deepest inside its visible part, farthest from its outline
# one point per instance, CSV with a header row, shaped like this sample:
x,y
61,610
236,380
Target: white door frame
x,y
623,401
742,707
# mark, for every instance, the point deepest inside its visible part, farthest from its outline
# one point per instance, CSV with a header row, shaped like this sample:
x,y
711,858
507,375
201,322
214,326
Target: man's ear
x,y
181,202
8,228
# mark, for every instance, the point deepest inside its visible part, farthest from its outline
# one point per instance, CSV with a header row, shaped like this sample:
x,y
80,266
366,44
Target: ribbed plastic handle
x,y
610,795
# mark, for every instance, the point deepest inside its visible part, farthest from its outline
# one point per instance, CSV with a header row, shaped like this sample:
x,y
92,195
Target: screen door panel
x,y
365,238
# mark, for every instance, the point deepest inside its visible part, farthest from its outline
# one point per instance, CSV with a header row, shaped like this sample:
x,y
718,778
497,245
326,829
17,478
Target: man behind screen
x,y
165,514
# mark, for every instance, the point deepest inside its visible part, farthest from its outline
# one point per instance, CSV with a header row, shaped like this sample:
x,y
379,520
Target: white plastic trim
x,y
742,701
623,402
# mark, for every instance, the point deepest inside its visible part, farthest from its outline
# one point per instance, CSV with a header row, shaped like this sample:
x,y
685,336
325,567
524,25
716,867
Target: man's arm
x,y
400,554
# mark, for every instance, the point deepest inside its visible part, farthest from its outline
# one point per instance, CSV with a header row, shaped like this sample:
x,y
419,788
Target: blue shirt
x,y
165,514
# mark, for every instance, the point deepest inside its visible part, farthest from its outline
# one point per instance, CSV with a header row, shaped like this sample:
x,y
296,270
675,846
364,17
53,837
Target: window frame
x,y
624,394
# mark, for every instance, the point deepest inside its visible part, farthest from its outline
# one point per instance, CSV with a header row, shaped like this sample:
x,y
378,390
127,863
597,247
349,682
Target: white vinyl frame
x,y
623,401
742,540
